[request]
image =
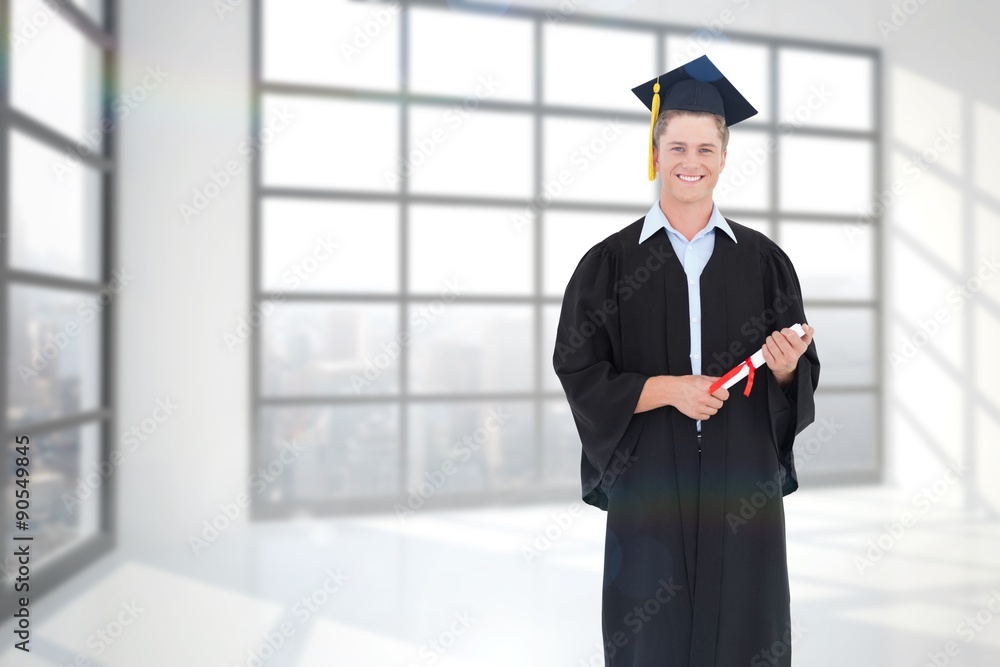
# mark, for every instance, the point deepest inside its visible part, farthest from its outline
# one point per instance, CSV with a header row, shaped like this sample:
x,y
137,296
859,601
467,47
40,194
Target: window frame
x,y
48,576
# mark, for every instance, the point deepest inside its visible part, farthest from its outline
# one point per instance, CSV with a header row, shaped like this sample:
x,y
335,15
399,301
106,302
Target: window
x,y
59,286
414,358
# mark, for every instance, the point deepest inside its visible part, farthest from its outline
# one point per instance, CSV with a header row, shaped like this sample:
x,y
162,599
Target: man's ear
x,y
723,164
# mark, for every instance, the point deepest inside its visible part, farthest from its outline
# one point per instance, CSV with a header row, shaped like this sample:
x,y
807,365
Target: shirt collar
x,y
655,219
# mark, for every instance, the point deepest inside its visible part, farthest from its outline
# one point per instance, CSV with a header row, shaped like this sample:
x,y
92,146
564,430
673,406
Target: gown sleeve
x,y
587,360
792,408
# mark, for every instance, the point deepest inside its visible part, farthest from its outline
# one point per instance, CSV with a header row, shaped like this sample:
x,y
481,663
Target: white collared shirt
x,y
693,255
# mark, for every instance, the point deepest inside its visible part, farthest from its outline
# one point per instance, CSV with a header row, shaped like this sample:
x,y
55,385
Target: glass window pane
x,y
470,152
826,89
329,246
342,349
596,160
747,66
469,348
65,488
482,251
563,451
842,439
832,260
745,181
338,452
568,236
584,66
465,54
845,342
313,138
55,353
55,220
69,100
331,43
826,175
470,447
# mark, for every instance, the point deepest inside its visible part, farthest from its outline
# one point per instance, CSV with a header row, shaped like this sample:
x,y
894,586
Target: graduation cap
x,y
694,86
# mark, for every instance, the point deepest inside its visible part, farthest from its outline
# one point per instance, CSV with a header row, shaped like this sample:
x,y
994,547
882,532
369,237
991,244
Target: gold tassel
x,y
652,122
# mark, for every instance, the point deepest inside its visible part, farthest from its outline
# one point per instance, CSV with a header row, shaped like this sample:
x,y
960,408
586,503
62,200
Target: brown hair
x,y
661,124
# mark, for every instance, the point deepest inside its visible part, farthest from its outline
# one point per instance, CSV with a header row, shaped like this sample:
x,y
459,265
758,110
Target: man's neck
x,y
688,219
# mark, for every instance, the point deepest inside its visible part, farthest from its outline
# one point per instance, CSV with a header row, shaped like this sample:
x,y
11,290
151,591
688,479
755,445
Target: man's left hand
x,y
782,350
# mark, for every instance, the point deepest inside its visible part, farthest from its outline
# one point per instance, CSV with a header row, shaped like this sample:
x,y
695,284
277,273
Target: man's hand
x,y
782,350
691,397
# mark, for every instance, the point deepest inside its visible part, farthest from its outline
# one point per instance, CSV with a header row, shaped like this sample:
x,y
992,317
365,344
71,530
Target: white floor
x,y
472,588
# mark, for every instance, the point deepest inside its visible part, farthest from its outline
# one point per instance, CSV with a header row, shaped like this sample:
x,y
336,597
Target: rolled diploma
x,y
757,359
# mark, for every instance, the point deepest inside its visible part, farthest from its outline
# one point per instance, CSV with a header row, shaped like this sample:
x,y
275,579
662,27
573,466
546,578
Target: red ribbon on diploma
x,y
731,378
725,378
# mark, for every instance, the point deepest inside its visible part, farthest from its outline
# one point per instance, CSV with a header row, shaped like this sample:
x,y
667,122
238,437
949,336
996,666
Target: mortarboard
x,y
694,86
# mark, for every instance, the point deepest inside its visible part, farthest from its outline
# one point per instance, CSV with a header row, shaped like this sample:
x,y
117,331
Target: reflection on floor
x,y
479,587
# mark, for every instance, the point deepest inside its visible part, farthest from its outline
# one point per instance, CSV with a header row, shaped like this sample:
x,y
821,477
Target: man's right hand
x,y
690,395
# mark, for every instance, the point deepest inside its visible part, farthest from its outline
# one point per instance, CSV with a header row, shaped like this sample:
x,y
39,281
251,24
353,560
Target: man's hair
x,y
661,124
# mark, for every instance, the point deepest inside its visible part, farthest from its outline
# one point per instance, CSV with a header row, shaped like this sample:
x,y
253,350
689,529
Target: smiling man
x,y
692,154
695,572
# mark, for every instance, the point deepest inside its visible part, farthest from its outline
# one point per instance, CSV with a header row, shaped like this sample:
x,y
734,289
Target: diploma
x,y
746,368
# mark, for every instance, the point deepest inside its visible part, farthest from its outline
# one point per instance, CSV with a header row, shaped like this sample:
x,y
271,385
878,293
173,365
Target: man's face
x,y
689,158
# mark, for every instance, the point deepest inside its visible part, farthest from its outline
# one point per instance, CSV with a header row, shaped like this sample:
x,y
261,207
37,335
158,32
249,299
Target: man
x,y
695,571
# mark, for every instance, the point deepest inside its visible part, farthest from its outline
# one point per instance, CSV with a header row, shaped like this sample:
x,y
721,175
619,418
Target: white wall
x,y
191,279
941,230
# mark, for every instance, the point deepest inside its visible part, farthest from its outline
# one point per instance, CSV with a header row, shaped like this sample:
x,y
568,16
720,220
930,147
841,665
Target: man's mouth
x,y
689,179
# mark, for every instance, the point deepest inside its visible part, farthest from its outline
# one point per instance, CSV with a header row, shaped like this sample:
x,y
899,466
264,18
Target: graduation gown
x,y
695,571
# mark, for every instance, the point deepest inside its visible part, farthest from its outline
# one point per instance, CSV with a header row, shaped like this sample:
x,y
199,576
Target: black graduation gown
x,y
695,571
